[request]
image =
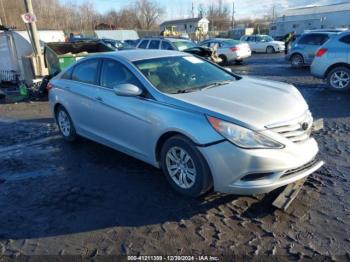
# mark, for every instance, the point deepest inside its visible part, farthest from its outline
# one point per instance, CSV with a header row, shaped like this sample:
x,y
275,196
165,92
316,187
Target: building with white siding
x,y
311,17
187,25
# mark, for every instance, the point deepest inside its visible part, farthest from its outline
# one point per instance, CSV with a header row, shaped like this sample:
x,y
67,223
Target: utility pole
x,y
3,11
35,39
233,15
273,13
192,10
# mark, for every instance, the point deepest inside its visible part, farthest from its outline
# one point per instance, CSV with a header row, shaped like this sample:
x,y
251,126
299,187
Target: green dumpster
x,y
61,55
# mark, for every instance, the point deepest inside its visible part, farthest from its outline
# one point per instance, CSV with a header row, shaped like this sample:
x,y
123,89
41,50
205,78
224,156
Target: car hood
x,y
251,102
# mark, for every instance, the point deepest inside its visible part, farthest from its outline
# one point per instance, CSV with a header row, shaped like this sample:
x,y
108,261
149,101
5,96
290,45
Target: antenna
x,y
192,10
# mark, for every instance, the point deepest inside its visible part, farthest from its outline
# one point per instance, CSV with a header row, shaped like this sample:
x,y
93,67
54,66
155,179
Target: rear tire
x,y
297,61
65,124
338,79
185,167
224,60
270,50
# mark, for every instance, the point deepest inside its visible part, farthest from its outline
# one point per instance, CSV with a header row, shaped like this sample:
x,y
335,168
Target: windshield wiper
x,y
183,91
215,84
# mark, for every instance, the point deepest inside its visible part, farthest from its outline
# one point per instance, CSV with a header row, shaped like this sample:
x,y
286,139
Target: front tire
x,y
270,50
185,167
224,60
65,124
338,79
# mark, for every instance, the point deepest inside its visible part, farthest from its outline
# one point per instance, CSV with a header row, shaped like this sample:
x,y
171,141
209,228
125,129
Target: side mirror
x,y
127,90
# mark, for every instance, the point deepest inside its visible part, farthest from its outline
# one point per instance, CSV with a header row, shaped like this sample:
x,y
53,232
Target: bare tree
x,y
148,12
75,17
219,16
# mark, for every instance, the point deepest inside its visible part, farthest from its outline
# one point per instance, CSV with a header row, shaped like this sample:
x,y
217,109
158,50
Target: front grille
x,y
299,169
297,130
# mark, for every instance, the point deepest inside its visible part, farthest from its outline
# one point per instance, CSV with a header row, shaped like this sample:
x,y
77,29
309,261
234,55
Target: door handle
x,y
99,99
67,87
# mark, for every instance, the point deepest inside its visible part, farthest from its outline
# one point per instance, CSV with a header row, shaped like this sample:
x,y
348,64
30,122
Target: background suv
x,y
303,49
263,43
332,62
169,43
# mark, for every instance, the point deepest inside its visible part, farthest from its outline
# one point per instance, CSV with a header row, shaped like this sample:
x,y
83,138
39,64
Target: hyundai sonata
x,y
203,126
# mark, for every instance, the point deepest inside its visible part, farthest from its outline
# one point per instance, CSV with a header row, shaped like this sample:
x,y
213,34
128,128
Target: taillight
x,y
320,52
234,49
49,86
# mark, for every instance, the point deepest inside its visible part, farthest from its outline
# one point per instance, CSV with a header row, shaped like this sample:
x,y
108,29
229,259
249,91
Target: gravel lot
x,y
86,199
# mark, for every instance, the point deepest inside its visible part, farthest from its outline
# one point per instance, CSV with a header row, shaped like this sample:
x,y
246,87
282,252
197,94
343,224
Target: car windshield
x,y
182,74
183,45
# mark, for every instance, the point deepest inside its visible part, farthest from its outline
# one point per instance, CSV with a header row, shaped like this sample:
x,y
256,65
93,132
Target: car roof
x,y
141,54
218,39
171,39
321,32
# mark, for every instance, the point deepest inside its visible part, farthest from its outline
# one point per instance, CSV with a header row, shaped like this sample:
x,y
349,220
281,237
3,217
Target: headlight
x,y
242,137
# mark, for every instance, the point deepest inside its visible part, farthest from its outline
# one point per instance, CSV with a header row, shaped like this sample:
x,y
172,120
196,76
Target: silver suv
x,y
303,49
332,62
169,43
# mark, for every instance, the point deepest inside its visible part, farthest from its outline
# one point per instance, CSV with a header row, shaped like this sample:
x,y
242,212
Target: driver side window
x,y
114,73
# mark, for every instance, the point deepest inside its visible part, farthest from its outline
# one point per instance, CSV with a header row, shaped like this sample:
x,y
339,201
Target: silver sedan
x,y
202,125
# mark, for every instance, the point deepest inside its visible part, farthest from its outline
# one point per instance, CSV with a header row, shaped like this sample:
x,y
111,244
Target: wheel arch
x,y
163,138
335,66
271,46
56,106
296,53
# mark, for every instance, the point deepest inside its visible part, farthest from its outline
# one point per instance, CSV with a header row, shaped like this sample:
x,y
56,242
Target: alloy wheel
x,y
64,123
297,61
340,79
181,168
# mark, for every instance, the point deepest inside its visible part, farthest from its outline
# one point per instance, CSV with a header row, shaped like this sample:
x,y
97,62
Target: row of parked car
x,y
327,52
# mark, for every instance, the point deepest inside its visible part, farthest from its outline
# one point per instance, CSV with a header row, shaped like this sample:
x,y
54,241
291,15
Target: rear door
x,y
79,92
310,43
260,46
345,47
252,43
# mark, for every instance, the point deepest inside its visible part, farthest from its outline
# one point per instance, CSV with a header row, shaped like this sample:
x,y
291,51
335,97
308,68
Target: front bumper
x,y
230,165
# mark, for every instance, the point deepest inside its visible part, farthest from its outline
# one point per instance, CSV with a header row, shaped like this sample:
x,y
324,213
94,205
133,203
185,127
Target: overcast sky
x,y
243,8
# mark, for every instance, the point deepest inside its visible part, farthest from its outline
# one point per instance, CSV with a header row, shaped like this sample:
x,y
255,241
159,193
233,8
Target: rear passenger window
x,y
67,74
313,39
154,44
345,39
166,46
144,44
86,72
212,44
114,73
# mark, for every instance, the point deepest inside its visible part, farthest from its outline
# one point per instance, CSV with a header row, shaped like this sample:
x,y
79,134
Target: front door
x,y
124,121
